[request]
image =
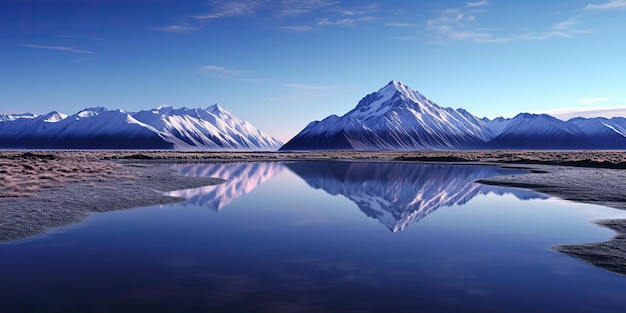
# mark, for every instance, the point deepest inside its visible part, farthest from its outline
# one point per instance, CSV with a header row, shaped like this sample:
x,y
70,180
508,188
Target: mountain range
x,y
212,128
397,117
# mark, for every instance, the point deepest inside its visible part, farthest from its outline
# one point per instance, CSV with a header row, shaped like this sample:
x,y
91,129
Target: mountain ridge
x,y
213,128
397,117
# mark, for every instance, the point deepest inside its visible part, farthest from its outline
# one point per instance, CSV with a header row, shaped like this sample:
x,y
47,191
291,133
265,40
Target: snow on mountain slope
x,y
598,126
395,117
602,132
13,117
54,117
92,128
539,131
161,128
211,128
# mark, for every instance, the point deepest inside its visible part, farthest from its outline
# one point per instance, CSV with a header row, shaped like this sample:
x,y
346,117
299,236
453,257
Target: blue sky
x,y
283,63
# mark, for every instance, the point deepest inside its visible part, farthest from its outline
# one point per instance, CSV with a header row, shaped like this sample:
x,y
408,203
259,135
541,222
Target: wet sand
x,y
43,190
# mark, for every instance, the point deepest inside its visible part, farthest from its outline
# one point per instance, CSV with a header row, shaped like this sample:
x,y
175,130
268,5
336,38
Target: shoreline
x,y
41,190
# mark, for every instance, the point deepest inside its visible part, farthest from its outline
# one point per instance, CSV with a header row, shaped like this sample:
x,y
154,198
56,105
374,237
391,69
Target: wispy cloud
x,y
565,24
312,87
594,100
343,22
588,112
353,11
58,48
317,13
611,5
401,25
297,28
454,24
275,8
220,8
477,4
590,107
460,25
221,72
289,8
562,29
176,28
218,71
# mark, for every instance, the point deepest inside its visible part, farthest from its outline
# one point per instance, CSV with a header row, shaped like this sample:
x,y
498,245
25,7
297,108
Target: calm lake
x,y
321,237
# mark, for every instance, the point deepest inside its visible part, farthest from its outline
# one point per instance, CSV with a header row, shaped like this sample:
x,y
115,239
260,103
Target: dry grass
x,y
24,174
590,158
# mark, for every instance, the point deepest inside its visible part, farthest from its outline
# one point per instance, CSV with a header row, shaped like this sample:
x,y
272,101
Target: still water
x,y
321,237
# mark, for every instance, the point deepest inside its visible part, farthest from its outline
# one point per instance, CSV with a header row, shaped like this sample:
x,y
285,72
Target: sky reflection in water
x,y
311,236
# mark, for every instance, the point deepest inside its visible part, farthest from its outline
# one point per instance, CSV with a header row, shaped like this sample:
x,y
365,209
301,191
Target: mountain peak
x,y
395,86
54,117
216,108
399,89
396,83
395,117
91,111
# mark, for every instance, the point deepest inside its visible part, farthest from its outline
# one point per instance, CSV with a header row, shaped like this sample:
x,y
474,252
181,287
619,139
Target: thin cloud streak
x,y
58,48
230,8
328,13
401,25
357,10
343,22
221,72
611,5
457,25
176,29
278,9
218,71
477,4
569,113
298,28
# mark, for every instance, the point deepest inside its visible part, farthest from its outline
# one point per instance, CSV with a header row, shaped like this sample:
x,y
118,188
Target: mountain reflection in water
x,y
399,194
241,178
396,194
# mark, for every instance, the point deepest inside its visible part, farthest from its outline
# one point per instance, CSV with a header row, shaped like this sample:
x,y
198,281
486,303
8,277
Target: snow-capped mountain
x,y
212,128
603,132
542,131
538,131
397,117
399,194
394,118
